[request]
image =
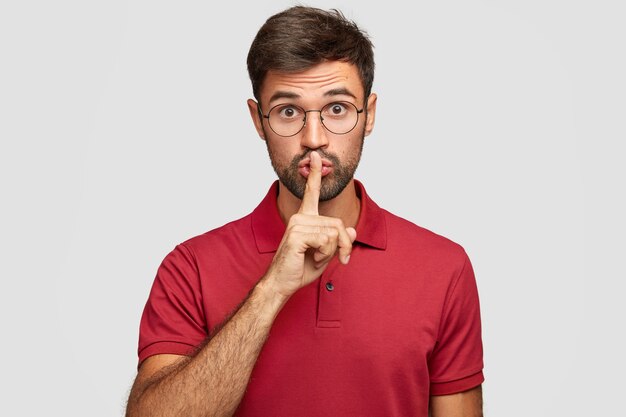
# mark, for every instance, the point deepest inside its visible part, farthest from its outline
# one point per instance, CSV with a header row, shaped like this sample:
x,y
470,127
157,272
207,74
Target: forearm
x,y
212,382
463,404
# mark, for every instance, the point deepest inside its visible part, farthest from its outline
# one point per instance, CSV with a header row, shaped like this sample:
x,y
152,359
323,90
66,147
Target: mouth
x,y
304,167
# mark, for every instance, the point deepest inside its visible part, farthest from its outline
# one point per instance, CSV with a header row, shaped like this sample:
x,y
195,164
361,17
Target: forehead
x,y
314,82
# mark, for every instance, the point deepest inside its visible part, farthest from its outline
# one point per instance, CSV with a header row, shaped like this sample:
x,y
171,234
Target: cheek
x,y
281,153
350,148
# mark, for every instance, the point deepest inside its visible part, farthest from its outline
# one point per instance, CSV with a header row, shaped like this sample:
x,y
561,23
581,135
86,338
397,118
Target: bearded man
x,y
319,302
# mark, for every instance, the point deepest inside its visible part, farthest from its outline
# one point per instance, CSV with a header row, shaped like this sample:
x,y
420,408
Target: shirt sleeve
x,y
173,319
456,362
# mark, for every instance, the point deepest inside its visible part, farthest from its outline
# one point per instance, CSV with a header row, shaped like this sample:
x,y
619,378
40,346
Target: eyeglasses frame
x,y
305,115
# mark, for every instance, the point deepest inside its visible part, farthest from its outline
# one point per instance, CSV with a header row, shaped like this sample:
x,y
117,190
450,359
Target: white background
x,y
124,131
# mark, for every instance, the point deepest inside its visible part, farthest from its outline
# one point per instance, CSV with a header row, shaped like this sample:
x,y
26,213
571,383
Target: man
x,y
318,303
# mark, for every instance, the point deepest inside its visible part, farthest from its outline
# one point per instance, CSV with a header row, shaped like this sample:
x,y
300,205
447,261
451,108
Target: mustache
x,y
325,155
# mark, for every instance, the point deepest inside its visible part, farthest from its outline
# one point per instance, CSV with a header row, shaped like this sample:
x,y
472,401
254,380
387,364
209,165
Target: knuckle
x,y
338,223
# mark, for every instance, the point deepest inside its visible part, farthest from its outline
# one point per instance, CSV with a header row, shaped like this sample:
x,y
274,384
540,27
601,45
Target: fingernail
x,y
347,259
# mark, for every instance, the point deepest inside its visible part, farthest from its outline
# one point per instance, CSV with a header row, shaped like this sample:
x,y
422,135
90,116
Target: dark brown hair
x,y
301,37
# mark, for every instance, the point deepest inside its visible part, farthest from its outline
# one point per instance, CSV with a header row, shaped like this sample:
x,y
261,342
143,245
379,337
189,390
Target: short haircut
x,y
301,37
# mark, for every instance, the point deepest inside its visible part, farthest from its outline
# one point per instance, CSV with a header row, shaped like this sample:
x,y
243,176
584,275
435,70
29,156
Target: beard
x,y
332,184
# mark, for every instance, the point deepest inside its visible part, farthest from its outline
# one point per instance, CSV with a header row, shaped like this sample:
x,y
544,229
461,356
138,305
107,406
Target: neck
x,y
346,206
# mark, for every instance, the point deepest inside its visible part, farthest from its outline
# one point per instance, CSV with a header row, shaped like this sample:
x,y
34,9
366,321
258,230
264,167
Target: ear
x,y
371,114
257,119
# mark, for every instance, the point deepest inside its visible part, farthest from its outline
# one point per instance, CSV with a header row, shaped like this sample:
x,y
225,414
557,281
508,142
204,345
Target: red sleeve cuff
x,y
172,348
458,385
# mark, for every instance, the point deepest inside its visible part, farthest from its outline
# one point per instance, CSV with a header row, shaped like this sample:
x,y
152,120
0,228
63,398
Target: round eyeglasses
x,y
338,117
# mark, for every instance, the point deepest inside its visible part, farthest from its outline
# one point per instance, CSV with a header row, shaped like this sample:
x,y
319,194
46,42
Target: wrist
x,y
270,293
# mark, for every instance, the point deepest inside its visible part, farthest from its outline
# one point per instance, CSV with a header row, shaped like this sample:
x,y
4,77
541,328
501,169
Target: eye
x,y
287,111
336,109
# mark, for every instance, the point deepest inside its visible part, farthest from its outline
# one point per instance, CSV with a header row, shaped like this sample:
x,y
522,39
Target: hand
x,y
310,241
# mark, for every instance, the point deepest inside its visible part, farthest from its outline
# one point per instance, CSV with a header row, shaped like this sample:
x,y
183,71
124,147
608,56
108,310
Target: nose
x,y
313,134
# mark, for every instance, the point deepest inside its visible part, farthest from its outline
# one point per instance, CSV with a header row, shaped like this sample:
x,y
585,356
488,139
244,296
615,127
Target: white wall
x,y
124,131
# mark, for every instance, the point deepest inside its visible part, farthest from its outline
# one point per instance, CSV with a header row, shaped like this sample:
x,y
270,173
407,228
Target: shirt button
x,y
330,286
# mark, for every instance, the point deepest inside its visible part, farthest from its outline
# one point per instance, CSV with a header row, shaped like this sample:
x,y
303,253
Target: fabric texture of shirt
x,y
375,337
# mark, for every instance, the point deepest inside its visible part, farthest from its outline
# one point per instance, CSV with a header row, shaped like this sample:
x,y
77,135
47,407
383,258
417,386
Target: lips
x,y
304,167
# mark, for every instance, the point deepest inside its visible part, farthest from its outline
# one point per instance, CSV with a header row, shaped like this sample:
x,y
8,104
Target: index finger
x,y
311,196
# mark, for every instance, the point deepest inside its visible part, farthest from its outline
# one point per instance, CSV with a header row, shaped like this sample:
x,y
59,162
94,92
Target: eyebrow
x,y
330,93
283,94
339,92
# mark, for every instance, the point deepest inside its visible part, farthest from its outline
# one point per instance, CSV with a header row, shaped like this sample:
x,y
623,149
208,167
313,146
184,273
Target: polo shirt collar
x,y
268,227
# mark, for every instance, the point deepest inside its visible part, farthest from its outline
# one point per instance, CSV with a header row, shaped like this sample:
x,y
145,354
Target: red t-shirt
x,y
376,337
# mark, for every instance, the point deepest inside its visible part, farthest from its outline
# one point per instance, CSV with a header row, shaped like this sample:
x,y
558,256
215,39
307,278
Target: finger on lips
x,y
339,236
310,200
